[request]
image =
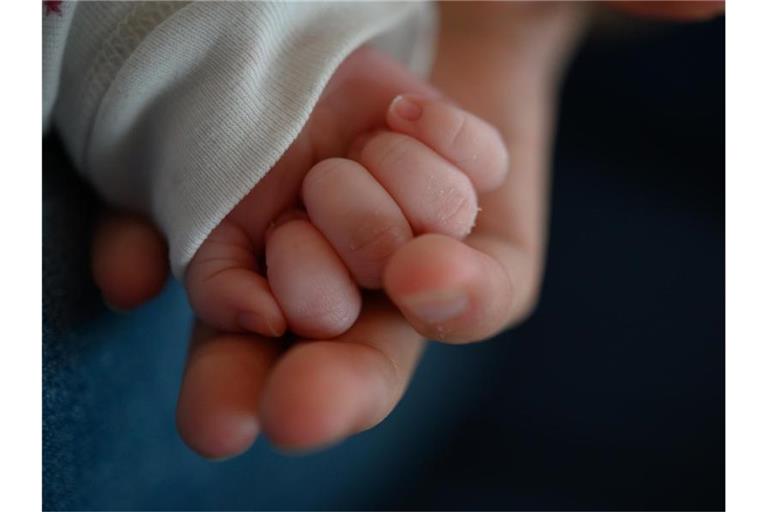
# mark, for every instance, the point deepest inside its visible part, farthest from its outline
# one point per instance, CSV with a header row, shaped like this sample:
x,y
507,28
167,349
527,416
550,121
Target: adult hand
x,y
318,392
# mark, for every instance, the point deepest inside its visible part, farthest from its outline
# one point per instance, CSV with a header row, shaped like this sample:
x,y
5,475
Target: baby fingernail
x,y
405,108
283,218
436,307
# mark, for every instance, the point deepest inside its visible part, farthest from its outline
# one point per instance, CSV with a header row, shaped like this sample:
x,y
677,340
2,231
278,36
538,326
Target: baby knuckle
x,y
320,315
330,169
376,240
388,150
455,211
458,131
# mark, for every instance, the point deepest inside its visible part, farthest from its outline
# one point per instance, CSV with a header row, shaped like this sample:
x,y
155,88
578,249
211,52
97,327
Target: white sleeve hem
x,y
209,102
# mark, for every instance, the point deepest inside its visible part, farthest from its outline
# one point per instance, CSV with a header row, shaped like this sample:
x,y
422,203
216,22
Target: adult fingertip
x,y
302,451
320,394
450,291
436,306
216,413
217,437
129,262
427,279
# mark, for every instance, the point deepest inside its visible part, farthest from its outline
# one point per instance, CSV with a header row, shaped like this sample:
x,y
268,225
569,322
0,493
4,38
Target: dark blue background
x,y
610,397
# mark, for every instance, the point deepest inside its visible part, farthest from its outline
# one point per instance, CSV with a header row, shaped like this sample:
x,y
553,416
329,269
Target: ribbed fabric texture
x,y
178,109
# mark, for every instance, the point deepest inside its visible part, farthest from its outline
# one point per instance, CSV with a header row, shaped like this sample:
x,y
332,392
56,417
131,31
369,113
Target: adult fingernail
x,y
253,322
238,435
406,108
437,307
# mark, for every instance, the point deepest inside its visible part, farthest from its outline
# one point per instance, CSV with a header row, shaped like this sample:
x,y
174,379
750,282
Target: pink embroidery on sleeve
x,y
52,6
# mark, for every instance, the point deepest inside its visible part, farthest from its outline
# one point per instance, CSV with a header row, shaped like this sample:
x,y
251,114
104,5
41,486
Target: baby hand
x,y
415,167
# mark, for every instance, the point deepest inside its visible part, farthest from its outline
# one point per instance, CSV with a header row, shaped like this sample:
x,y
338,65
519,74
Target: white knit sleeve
x,y
178,109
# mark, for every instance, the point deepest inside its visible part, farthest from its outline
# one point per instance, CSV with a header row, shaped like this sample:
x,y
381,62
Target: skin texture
x,y
357,216
414,164
238,385
315,291
226,286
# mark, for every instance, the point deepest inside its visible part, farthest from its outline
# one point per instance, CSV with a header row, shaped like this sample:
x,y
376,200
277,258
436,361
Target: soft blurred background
x,y
610,397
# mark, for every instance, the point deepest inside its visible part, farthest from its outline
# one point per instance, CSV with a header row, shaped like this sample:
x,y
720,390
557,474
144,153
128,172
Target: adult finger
x,y
462,291
219,397
129,260
467,292
323,391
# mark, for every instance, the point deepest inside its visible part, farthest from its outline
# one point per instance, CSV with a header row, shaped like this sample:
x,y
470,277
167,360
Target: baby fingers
x,y
465,140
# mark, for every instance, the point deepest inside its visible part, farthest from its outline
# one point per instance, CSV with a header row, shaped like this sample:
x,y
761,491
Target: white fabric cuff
x,y
210,98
